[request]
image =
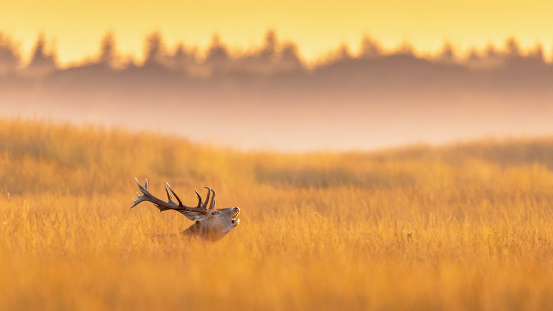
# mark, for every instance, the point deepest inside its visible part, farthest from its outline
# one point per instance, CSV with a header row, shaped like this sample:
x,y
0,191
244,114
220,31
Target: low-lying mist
x,y
268,98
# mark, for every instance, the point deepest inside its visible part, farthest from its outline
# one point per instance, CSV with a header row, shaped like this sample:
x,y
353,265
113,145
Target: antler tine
x,y
207,198
141,198
137,201
212,205
169,196
199,198
173,192
140,186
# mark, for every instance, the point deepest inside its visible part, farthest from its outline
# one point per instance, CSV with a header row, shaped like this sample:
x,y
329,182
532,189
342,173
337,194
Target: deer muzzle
x,y
235,220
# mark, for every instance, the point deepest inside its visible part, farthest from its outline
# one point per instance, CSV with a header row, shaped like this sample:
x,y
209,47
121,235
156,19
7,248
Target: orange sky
x,y
77,27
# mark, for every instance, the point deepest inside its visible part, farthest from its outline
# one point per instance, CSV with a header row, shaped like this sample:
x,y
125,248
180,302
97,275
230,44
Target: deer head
x,y
209,223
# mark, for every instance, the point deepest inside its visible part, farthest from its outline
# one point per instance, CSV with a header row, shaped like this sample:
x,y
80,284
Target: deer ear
x,y
191,216
194,216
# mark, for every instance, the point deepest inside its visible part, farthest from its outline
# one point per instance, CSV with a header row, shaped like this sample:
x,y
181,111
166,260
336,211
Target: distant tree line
x,y
272,57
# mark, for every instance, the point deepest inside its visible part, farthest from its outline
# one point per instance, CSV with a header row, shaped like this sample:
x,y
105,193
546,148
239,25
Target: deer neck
x,y
200,230
195,230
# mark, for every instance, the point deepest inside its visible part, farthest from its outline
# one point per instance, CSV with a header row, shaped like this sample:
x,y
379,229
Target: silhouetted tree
x,y
513,54
473,60
339,55
289,59
512,48
492,57
9,56
536,54
370,48
405,48
217,50
217,57
487,59
491,51
42,63
108,53
473,54
261,61
343,53
184,60
447,54
155,50
268,51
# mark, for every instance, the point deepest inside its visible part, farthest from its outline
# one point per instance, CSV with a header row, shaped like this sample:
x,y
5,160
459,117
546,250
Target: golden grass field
x,y
460,227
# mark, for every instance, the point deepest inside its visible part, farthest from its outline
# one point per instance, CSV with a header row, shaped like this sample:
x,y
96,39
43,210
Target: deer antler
x,y
212,204
171,204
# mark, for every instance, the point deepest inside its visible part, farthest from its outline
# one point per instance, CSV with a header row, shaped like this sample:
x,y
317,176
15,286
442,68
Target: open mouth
x,y
235,219
235,215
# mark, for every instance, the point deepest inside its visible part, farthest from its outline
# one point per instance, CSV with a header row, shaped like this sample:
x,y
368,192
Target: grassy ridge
x,y
459,227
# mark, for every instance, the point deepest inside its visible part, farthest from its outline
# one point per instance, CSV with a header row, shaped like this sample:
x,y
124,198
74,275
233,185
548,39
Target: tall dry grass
x,y
465,227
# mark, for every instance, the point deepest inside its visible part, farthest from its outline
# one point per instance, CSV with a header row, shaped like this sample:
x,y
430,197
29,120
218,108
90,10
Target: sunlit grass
x,y
455,228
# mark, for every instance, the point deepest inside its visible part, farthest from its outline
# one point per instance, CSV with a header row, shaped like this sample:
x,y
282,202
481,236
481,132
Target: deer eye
x,y
213,213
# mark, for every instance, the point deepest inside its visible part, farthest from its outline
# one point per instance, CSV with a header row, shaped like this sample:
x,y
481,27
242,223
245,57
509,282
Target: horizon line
x,y
48,48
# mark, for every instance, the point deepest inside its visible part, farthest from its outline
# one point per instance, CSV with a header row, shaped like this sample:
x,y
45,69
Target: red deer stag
x,y
209,223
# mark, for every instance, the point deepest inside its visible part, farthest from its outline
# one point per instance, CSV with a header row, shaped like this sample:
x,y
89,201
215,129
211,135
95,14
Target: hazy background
x,y
268,98
290,76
